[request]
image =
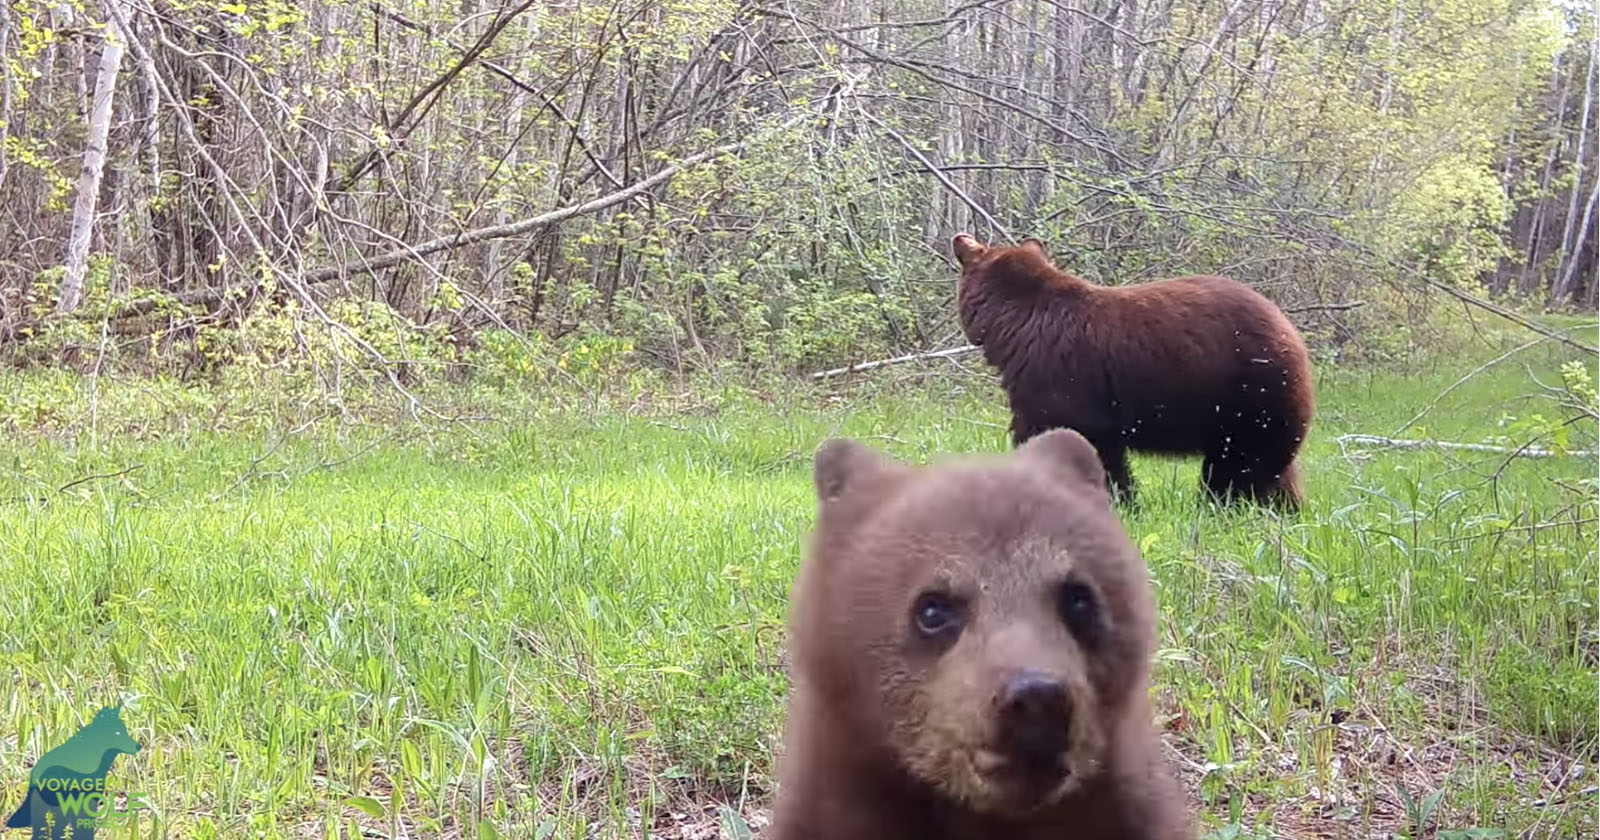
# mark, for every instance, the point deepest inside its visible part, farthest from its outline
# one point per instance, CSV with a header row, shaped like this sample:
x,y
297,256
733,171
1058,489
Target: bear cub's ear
x,y
967,248
840,463
1066,456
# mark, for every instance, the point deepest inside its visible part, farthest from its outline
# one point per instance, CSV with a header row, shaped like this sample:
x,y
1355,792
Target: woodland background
x,y
685,184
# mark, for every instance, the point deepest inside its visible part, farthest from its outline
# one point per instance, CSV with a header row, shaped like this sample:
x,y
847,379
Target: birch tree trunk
x,y
5,86
946,214
94,158
1569,248
495,269
1565,286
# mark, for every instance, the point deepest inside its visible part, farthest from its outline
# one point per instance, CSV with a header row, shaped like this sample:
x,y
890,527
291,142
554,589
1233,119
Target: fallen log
x,y
1402,443
935,354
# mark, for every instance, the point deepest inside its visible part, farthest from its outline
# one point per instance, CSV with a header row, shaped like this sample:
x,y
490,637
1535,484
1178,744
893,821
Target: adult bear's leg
x,y
1113,456
1254,458
1119,479
1219,476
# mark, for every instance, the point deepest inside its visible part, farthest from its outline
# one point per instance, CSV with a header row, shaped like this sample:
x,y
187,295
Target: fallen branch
x,y
1325,307
1399,443
1559,800
1517,529
98,476
936,354
468,237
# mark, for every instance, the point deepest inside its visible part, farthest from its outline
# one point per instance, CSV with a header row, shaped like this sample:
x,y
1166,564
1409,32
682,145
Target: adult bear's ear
x,y
842,463
967,248
1066,456
1036,246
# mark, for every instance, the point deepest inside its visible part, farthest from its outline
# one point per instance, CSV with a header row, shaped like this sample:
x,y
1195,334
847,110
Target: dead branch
x,y
213,297
575,132
484,234
1325,307
943,179
1517,529
965,349
425,98
968,348
98,476
1400,443
1470,375
1506,314
1470,300
936,354
881,58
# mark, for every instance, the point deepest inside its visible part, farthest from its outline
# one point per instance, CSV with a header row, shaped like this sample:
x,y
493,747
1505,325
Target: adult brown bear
x,y
970,651
1182,366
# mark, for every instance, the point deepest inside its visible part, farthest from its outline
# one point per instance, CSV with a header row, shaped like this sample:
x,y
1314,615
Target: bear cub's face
x,y
995,615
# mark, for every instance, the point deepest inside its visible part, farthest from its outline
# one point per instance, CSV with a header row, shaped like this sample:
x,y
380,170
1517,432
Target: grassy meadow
x,y
569,624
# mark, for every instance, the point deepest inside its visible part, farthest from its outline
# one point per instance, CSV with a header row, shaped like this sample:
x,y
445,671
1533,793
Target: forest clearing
x,y
407,410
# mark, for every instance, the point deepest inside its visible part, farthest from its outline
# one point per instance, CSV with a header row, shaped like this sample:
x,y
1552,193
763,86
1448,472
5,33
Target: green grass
x,y
574,624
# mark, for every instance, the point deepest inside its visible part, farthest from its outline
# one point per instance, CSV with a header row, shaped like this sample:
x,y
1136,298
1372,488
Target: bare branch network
x,y
771,181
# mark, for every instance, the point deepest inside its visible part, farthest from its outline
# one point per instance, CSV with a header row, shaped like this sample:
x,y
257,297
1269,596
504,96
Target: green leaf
x,y
369,806
410,760
733,826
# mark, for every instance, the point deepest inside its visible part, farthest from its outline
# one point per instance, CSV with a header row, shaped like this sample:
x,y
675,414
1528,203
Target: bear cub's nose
x,y
1035,715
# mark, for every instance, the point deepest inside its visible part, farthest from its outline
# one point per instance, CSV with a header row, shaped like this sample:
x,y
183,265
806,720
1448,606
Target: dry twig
x,y
936,354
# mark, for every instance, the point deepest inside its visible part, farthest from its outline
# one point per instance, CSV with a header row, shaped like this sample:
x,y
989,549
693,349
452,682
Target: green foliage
x,y
507,355
1451,219
850,326
595,359
1580,388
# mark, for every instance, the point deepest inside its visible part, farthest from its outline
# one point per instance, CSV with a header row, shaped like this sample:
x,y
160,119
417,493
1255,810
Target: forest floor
x,y
570,625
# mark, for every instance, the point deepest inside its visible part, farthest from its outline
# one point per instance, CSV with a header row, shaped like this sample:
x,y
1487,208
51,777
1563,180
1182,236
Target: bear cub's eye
x,y
1079,611
936,614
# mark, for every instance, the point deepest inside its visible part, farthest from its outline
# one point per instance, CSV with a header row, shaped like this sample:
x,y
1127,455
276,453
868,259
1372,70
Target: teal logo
x,y
67,797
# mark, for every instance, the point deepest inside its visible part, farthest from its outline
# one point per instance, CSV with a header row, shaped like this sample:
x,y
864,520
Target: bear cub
x,y
970,653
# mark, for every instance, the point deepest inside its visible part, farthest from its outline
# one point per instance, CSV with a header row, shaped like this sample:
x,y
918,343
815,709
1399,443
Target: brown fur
x,y
896,735
1190,365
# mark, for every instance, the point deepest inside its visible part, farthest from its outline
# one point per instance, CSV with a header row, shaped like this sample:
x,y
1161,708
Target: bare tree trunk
x,y
94,158
1565,287
1568,255
5,85
1528,223
1536,227
945,214
77,61
149,123
494,269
